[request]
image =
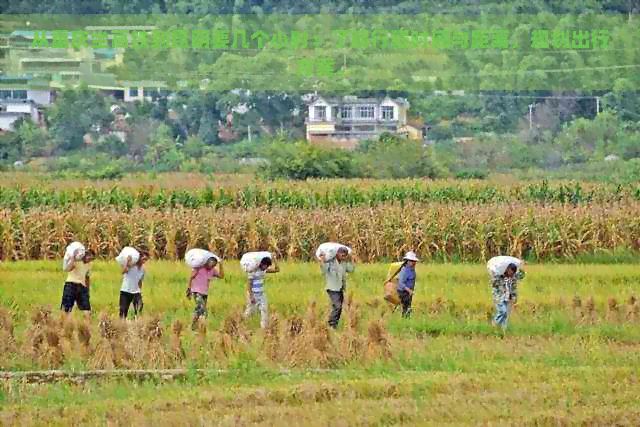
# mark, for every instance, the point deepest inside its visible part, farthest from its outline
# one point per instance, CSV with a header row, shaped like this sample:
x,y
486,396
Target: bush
x,y
303,160
111,171
113,146
242,149
583,140
9,148
90,164
212,164
472,174
387,157
395,157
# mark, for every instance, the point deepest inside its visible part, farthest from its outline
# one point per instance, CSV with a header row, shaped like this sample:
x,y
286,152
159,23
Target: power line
x,y
482,74
532,96
493,50
552,70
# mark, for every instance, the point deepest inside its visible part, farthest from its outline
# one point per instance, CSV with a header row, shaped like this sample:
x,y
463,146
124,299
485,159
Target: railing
x,y
356,120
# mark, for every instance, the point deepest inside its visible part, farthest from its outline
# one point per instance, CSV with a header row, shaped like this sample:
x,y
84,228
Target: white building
x,y
351,119
17,103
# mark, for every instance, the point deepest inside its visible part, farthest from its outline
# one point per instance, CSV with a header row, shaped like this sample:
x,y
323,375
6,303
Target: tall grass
x,y
442,232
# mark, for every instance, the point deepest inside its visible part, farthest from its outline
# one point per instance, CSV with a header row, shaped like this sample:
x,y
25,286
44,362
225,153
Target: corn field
x,y
308,195
450,232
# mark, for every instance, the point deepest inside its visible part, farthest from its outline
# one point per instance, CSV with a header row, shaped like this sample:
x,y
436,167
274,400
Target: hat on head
x,y
410,256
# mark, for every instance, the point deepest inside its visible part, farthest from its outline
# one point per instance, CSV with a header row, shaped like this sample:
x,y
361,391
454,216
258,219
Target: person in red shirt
x,y
199,287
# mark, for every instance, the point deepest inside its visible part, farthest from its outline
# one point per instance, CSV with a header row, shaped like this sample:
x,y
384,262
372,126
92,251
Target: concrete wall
x,y
6,121
41,97
19,107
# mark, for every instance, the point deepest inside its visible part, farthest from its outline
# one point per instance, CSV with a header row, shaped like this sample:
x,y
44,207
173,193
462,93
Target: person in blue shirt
x,y
407,283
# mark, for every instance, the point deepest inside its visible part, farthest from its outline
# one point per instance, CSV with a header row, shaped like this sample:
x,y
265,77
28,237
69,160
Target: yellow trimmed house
x,y
345,121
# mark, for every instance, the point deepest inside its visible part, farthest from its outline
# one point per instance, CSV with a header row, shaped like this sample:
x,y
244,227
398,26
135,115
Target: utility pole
x,y
530,116
249,132
597,105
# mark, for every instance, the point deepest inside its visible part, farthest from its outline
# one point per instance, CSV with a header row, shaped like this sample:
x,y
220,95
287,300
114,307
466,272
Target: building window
x,y
133,92
387,113
366,112
320,113
346,112
13,94
335,112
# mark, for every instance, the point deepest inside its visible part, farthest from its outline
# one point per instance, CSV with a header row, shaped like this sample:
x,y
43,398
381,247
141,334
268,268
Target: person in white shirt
x,y
131,289
256,298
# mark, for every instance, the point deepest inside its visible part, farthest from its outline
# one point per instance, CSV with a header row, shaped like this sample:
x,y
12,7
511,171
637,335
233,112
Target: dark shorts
x,y
75,293
126,299
201,304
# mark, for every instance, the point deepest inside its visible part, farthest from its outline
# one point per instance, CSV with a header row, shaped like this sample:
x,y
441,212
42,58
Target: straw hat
x,y
410,256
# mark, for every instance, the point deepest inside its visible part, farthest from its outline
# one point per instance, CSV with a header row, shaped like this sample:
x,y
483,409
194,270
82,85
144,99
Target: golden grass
x,y
513,381
439,231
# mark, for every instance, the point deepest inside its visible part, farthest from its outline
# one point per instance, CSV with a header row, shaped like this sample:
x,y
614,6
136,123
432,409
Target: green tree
x,y
31,138
74,114
9,147
161,153
583,139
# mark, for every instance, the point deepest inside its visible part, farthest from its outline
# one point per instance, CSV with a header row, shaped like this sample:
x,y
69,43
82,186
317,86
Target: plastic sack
x,y
68,254
250,261
498,265
329,250
125,253
394,268
196,258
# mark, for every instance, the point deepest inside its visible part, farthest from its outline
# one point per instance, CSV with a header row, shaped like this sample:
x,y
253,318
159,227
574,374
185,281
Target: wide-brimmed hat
x,y
410,256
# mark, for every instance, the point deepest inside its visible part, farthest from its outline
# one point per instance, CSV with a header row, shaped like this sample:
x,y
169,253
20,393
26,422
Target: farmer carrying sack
x,y
328,251
250,261
196,258
390,285
68,254
125,254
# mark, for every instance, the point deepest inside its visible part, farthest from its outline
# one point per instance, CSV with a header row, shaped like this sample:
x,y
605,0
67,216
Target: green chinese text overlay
x,y
335,52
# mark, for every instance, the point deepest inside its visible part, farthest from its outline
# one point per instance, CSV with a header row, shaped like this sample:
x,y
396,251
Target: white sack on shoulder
x,y
250,261
69,252
329,250
72,248
196,258
498,265
125,253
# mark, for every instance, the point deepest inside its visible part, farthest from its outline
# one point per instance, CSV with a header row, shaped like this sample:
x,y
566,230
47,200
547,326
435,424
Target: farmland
x,y
568,358
193,191
443,220
576,328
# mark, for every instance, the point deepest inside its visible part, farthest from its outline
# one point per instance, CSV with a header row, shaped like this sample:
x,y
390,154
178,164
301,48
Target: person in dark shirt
x,y
407,283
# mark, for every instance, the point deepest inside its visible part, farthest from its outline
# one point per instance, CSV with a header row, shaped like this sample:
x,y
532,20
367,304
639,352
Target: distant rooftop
x,y
356,100
10,79
123,27
54,60
29,34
